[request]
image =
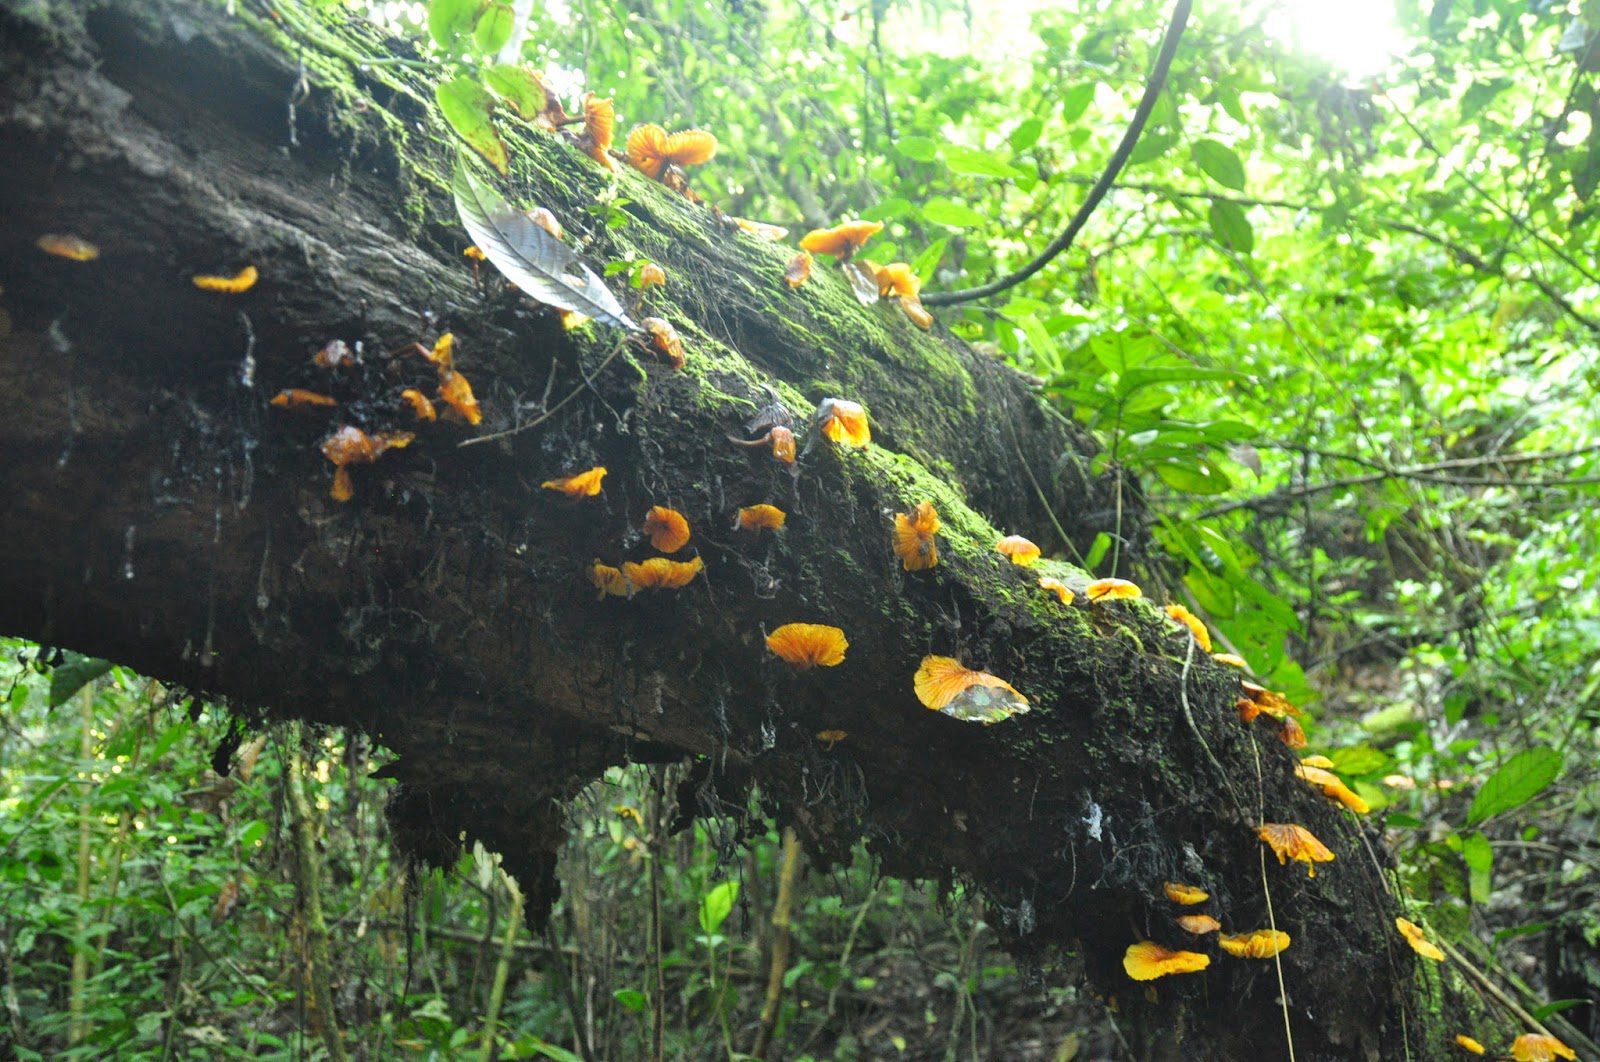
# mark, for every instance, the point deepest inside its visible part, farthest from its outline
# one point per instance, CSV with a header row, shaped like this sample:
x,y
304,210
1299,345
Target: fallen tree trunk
x,y
160,513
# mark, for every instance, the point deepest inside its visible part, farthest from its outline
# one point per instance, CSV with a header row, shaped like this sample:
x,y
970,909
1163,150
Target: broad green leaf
x,y
1152,145
73,673
1194,477
1025,135
956,215
927,263
1556,1006
918,148
1219,163
549,1050
1520,779
494,28
631,999
1231,227
450,22
467,107
518,86
1075,101
717,905
1359,759
1479,858
1097,550
970,162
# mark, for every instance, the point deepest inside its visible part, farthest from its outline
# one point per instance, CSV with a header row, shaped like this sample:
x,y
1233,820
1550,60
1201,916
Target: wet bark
x,y
158,512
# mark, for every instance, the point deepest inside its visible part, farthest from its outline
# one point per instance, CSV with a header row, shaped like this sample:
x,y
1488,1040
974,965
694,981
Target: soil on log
x,y
160,513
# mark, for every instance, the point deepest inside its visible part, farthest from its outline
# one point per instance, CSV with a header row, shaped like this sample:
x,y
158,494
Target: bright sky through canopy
x,y
1356,37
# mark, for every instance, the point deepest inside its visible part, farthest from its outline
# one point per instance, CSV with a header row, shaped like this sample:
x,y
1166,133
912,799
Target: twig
x,y
1119,158
552,411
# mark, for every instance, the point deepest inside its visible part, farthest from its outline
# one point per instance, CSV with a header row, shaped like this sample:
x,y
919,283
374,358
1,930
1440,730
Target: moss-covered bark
x,y
160,513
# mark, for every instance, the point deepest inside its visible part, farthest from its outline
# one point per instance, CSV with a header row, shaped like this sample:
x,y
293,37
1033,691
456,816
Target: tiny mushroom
x,y
761,517
421,406
579,485
456,392
1418,940
239,283
334,354
842,240
1112,590
1231,659
798,271
1020,550
843,422
1293,734
65,245
599,122
1289,841
1187,895
1198,924
897,280
914,541
1184,618
782,444
664,341
1318,761
1540,1047
608,580
1332,787
760,229
352,446
1147,960
651,276
296,398
830,738
661,573
1259,944
1469,1045
808,645
944,684
1058,588
667,528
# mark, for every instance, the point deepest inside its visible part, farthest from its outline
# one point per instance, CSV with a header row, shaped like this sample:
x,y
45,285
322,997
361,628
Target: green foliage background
x,y
1340,335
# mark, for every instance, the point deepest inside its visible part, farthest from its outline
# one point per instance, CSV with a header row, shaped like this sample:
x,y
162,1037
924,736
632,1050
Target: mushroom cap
x,y
941,680
608,580
760,229
241,281
782,444
579,485
1198,924
1021,551
647,148
761,517
662,573
652,276
1058,588
844,422
599,122
664,339
692,147
1332,787
1538,1047
421,405
65,245
896,278
667,528
1182,616
1188,895
1289,841
1257,944
1469,1045
456,392
798,271
1418,940
1231,659
808,645
842,240
1112,590
1147,960
914,541
297,398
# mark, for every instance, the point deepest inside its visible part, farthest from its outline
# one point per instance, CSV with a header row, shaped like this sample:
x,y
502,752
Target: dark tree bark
x,y
159,513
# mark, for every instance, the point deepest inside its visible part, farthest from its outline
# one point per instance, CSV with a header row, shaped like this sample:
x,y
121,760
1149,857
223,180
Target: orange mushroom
x,y
240,282
760,229
1469,1045
914,541
297,398
798,271
842,240
599,123
782,444
651,276
1231,659
651,149
808,645
1184,618
421,406
1198,924
1058,588
475,253
65,245
1318,761
443,354
352,446
1289,841
1270,702
667,528
661,573
608,580
456,392
1147,960
1332,787
1187,895
664,341
334,354
830,738
1418,940
943,684
1293,734
580,485
1020,550
842,421
761,517
1112,590
896,278
1539,1047
1259,944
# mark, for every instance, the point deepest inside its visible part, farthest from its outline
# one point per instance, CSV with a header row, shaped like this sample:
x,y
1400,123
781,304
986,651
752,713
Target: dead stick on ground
x,y
781,914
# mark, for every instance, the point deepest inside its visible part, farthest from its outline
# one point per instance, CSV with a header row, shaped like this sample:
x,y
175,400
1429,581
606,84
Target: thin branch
x,y
1119,158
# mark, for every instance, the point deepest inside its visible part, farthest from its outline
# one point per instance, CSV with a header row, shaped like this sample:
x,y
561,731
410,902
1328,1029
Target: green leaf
x,y
631,999
549,1050
467,107
717,905
1075,101
1151,146
918,148
1231,227
257,830
494,28
1219,163
1520,779
1025,135
1097,550
451,21
1479,857
1359,759
518,86
1194,477
970,162
1556,1006
928,261
73,673
949,212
